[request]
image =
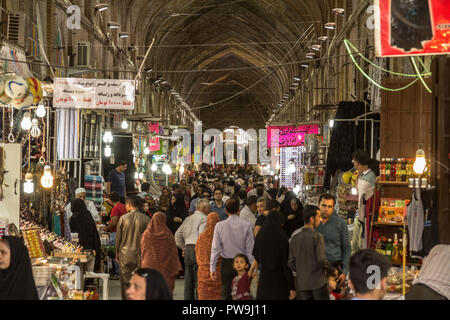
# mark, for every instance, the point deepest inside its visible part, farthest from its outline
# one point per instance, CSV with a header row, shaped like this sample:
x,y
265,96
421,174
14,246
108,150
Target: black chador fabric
x,y
346,136
17,282
290,225
430,235
82,223
410,24
176,210
271,250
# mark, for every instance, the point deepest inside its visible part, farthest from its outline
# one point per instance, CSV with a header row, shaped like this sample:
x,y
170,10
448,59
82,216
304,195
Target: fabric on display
x,y
68,134
94,189
17,281
415,217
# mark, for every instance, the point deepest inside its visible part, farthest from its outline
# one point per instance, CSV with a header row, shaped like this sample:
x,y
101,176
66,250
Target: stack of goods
x,y
33,243
395,279
392,210
94,190
393,249
68,134
399,169
348,203
91,129
7,229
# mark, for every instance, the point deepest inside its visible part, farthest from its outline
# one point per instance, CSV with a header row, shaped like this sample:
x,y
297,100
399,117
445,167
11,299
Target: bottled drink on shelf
x,y
404,173
395,252
389,249
378,247
383,169
387,170
393,168
383,244
398,176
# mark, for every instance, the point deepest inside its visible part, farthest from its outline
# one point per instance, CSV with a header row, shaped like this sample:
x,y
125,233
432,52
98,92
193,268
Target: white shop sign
x,y
93,93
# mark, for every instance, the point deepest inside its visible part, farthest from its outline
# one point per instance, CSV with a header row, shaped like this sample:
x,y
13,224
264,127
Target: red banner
x,y
412,27
153,143
291,136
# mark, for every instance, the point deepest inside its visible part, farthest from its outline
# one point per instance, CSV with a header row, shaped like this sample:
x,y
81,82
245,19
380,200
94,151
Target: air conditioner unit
x,y
16,28
83,54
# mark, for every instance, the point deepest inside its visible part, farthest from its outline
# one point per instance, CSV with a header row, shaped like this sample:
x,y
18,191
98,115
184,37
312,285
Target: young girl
x,y
240,287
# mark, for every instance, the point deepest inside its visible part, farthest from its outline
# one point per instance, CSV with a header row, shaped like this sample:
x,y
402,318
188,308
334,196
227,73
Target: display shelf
x,y
394,183
91,158
407,263
313,185
389,224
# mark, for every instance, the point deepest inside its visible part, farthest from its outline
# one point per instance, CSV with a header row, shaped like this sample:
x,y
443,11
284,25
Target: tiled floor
x,y
114,290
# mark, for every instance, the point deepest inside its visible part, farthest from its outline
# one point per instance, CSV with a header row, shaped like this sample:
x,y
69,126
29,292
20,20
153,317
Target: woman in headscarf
x,y
271,251
148,284
16,274
159,251
207,289
177,212
82,223
293,217
164,199
286,203
433,282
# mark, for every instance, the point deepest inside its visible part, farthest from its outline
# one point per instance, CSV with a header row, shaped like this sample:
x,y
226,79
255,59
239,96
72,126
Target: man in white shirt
x,y
186,238
80,193
248,213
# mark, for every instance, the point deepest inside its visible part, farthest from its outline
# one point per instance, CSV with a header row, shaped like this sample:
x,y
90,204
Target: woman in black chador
x,y
410,24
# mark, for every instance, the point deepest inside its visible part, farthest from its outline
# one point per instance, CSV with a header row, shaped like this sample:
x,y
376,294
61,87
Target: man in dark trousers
x,y
232,236
116,180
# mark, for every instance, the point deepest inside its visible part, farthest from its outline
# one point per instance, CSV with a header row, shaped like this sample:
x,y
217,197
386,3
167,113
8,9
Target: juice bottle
x,y
404,174
387,174
389,249
395,253
393,168
398,176
383,245
378,246
382,170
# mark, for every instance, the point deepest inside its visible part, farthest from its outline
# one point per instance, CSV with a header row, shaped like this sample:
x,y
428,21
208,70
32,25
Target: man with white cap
x,y
80,193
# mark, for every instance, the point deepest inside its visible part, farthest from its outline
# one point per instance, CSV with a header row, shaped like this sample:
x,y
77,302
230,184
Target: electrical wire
x,y
420,76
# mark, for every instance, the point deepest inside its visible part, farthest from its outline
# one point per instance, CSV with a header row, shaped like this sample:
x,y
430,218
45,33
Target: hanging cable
x,y
420,76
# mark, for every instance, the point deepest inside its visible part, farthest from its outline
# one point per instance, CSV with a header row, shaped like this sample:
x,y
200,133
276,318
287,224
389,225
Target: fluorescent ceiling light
x,y
310,55
323,38
297,78
123,35
304,65
113,25
316,47
101,7
330,25
339,11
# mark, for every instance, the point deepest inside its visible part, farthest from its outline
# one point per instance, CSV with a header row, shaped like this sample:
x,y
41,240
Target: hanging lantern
x,y
35,131
136,176
108,137
107,151
146,150
40,111
154,167
141,175
28,186
26,121
124,124
47,178
167,169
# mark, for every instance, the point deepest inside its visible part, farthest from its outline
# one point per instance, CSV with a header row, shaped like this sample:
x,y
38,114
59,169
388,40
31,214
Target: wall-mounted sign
x,y
412,27
291,136
153,143
93,93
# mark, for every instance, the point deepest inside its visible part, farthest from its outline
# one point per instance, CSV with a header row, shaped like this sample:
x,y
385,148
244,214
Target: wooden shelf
x,y
389,224
407,263
394,183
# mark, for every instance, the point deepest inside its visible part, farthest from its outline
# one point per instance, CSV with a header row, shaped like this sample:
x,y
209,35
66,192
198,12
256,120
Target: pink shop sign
x,y
153,142
291,136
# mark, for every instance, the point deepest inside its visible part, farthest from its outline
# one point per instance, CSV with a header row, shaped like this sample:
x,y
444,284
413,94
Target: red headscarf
x,y
159,250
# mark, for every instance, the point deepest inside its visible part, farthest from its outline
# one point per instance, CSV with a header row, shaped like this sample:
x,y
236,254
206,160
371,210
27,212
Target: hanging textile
x,y
68,142
94,190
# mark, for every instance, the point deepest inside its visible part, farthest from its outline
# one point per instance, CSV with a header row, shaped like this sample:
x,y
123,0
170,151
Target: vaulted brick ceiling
x,y
246,35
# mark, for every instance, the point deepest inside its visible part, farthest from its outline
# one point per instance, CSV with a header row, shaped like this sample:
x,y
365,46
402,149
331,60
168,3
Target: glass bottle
x,y
382,169
404,173
395,253
393,168
398,176
387,175
389,249
378,246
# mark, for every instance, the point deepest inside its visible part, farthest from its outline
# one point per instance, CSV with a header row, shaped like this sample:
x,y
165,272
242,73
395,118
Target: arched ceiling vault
x,y
246,35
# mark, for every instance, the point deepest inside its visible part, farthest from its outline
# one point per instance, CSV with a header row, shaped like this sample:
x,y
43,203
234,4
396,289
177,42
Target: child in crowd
x,y
240,287
146,208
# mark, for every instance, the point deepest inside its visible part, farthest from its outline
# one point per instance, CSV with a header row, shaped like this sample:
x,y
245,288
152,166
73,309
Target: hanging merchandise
x,y
94,190
16,87
67,142
35,131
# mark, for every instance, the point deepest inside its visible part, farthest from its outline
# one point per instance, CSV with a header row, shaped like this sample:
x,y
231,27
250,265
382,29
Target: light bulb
x,y
141,175
134,153
276,177
278,166
271,172
28,186
47,178
136,176
331,123
420,163
35,131
40,111
107,151
26,121
146,151
107,137
181,169
154,167
124,124
167,169
296,189
354,191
